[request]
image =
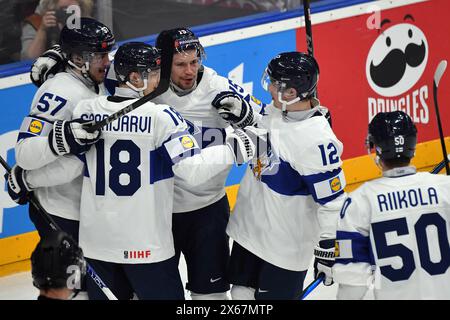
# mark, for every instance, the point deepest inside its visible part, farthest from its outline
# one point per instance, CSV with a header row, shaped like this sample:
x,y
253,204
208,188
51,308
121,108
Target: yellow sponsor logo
x,y
336,249
187,142
255,100
35,127
335,184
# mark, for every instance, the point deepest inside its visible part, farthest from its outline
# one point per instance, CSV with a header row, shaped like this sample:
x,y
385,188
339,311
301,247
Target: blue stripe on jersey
x,y
27,132
24,135
82,158
180,145
40,118
285,180
186,154
210,137
160,165
360,247
312,179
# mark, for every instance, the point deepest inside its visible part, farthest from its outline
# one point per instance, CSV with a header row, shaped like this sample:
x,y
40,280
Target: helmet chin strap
x,y
84,69
138,90
285,103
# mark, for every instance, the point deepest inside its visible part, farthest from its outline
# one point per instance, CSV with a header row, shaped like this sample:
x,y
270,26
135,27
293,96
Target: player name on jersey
x,y
127,123
407,199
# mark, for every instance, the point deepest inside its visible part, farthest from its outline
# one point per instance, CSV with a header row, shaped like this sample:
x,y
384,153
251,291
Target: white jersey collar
x,y
399,172
86,81
126,92
292,116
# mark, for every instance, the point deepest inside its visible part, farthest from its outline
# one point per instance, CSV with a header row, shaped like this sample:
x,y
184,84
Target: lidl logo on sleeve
x,y
187,142
255,100
335,184
336,249
36,126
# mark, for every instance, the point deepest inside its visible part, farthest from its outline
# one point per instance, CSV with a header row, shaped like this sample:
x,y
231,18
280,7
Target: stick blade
x,y
440,71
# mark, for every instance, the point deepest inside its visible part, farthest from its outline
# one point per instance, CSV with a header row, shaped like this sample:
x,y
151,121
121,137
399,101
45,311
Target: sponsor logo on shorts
x,y
214,280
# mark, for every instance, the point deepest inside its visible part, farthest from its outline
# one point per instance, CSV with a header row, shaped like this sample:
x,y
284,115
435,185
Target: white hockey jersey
x,y
127,194
54,100
292,197
393,236
209,129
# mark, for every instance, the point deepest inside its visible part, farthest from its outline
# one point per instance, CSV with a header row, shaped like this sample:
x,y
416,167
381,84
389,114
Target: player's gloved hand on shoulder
x,y
18,188
324,260
234,109
71,137
243,143
47,65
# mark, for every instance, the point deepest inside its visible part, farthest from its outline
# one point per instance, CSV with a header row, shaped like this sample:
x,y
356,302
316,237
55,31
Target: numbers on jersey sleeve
x,y
124,175
425,223
330,155
47,100
174,115
235,87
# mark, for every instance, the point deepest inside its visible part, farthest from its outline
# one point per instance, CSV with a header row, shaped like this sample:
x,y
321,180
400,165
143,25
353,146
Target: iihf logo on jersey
x,y
394,65
136,254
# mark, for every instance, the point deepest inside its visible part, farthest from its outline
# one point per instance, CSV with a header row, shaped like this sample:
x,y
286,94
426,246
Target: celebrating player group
x,y
149,186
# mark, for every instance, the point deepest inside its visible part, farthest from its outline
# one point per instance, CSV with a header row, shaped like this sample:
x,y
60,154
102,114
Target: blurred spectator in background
x,y
41,29
12,13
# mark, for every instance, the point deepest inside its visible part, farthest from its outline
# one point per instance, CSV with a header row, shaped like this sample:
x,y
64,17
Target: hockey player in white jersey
x,y
289,202
129,179
46,133
200,213
393,232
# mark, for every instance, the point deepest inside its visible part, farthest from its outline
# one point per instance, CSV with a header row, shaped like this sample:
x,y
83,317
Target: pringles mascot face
x,y
397,59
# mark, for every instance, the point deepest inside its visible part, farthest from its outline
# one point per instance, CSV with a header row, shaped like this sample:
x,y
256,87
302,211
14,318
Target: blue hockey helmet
x,y
55,259
296,70
91,36
136,57
393,134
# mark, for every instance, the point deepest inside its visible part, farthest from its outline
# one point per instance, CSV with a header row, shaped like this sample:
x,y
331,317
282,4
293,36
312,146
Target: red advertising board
x,y
365,70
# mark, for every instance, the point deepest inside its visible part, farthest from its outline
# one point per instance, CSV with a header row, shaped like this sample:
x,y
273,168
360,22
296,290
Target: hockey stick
x,y
308,29
55,227
167,51
310,45
437,77
439,166
312,286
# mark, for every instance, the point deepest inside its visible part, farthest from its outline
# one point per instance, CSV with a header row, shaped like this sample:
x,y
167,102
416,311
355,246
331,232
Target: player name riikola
x,y
127,123
413,103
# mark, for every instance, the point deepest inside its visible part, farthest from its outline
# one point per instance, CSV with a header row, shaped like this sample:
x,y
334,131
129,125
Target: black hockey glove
x,y
18,188
234,109
71,137
47,65
324,260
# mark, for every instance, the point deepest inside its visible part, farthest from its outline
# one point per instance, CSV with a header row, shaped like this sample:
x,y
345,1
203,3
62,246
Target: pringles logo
x,y
395,64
